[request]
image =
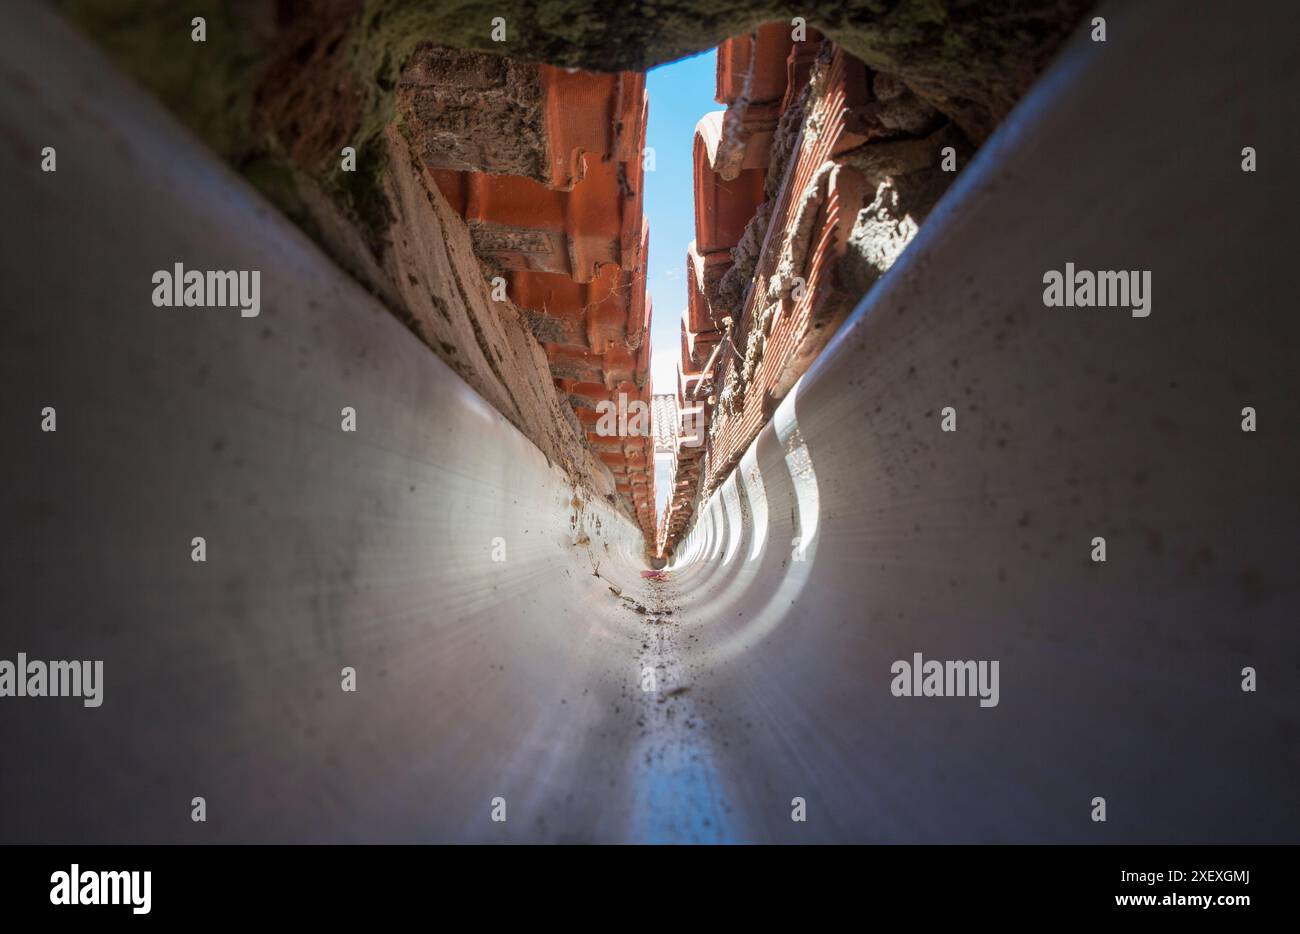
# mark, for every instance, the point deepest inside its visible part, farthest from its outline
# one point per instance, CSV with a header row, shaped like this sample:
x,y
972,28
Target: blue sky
x,y
680,94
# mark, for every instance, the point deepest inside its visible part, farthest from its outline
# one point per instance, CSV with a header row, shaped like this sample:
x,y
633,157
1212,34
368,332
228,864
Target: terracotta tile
x,y
758,59
722,207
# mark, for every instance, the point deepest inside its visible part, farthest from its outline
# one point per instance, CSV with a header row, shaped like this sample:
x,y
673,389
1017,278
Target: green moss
x,y
570,33
277,178
209,85
974,59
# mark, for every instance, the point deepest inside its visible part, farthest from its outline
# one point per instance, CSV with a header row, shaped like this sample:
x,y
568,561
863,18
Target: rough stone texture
x,y
909,182
474,112
896,110
730,294
882,231
888,121
971,60
881,160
